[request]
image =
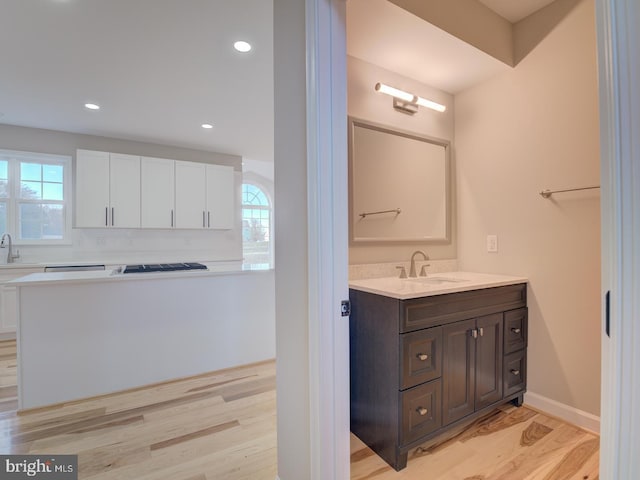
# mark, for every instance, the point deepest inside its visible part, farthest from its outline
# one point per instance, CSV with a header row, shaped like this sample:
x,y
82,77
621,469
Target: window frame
x,y
268,208
13,202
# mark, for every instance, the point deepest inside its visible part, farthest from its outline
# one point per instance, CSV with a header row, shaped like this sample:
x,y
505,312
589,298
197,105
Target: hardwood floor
x,y
216,426
222,426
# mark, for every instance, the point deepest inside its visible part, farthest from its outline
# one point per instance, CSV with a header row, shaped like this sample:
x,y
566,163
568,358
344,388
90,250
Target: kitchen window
x,y
35,197
256,226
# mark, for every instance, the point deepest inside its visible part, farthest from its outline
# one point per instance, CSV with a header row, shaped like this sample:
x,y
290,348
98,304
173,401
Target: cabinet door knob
x,y
422,411
474,333
422,356
515,330
481,331
515,372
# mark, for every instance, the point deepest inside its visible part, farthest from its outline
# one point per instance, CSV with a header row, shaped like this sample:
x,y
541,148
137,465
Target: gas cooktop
x,y
163,267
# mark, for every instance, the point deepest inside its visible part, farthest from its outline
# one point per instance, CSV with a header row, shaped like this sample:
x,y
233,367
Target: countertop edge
x,y
456,288
40,279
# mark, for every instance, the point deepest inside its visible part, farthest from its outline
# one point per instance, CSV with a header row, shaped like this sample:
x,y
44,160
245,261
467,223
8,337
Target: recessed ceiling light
x,y
92,106
207,125
242,46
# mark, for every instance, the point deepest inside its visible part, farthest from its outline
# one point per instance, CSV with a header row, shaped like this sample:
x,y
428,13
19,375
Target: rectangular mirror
x,y
399,185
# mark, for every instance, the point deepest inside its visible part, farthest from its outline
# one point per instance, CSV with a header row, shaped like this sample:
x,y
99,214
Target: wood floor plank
x,y
197,434
222,426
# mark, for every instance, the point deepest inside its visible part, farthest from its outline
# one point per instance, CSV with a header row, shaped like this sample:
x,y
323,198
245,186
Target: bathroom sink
x,y
436,280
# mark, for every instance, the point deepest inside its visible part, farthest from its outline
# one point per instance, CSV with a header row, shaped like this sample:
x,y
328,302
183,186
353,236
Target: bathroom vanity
x,y
428,354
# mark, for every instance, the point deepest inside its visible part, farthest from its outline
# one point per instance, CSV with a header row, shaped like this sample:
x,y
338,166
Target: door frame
x,y
619,75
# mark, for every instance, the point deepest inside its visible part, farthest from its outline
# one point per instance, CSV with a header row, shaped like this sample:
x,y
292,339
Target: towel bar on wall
x,y
548,193
397,211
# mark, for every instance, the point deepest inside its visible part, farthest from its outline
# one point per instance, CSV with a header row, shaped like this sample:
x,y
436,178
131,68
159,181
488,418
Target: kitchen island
x,y
82,334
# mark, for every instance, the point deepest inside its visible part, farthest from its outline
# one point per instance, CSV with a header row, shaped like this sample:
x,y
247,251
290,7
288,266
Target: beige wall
x,y
532,128
367,104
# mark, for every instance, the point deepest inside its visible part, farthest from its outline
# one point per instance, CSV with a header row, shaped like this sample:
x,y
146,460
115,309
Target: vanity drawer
x,y
421,411
425,312
515,330
515,372
421,354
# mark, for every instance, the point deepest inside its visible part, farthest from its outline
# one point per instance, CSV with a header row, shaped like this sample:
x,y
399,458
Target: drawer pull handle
x,y
422,411
422,356
515,372
515,330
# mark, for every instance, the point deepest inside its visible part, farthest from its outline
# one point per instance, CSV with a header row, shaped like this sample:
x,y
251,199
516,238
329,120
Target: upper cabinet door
x,y
92,189
124,191
220,197
157,192
190,195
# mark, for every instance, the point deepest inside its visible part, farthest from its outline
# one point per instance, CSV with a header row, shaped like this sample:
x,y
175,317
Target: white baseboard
x,y
573,415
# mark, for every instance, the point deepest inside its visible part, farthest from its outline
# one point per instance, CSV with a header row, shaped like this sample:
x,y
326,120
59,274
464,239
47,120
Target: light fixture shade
x,y
409,97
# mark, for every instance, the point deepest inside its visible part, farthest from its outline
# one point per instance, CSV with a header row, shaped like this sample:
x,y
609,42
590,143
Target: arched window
x,y
256,225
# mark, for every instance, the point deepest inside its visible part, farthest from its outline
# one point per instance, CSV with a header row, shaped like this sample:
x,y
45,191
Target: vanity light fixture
x,y
92,106
408,102
207,126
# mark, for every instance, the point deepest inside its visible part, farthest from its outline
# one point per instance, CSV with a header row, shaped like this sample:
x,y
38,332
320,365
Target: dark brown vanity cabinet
x,y
423,365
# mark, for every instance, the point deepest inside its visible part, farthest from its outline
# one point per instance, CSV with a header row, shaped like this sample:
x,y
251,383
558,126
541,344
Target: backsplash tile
x,y
379,270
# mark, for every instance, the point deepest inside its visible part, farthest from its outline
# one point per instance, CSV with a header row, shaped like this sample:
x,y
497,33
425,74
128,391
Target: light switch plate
x,y
492,243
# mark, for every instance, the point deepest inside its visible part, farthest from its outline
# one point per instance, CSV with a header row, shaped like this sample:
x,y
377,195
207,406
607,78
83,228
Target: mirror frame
x,y
354,122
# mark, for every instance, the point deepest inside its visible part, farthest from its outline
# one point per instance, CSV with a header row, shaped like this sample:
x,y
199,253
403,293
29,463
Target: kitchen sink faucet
x,y
10,255
412,269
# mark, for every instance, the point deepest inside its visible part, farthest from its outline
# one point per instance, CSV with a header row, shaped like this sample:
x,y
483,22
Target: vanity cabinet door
x,y
458,372
488,360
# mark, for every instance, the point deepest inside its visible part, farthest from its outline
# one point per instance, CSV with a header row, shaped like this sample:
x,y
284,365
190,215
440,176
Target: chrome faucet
x,y
10,255
412,269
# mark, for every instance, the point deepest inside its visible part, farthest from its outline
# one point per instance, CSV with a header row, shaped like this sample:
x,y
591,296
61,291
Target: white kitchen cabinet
x,y
92,189
220,197
191,195
204,196
107,190
124,190
157,192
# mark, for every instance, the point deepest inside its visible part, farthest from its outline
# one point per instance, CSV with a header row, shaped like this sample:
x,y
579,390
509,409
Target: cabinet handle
x,y
515,372
474,333
422,411
209,219
481,331
515,330
172,217
106,216
203,224
422,356
112,215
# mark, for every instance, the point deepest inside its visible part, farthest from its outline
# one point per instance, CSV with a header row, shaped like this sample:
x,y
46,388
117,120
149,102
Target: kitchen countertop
x,y
435,284
115,275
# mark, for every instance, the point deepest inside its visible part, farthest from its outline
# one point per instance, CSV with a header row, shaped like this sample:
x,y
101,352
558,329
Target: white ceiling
x,y
515,10
161,68
386,35
158,68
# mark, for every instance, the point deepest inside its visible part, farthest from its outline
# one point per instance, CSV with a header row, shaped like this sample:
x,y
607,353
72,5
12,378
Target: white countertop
x,y
112,275
435,284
